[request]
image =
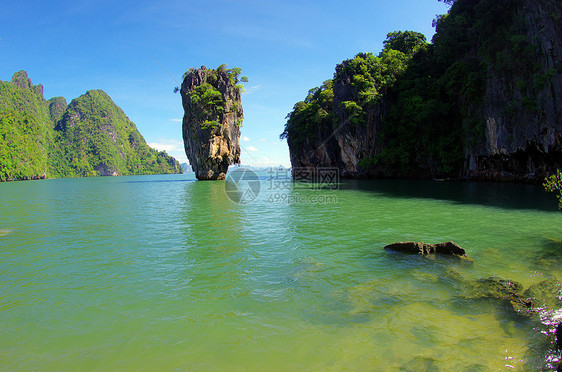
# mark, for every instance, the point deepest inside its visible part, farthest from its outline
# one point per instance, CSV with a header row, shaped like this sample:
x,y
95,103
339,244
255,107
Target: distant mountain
x,y
91,136
186,167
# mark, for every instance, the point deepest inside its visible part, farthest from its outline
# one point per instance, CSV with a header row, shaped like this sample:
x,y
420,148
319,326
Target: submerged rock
x,y
422,248
420,364
212,118
533,301
504,289
545,294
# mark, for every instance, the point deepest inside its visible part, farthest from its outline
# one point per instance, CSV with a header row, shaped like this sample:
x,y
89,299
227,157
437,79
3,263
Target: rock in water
x,y
212,118
422,248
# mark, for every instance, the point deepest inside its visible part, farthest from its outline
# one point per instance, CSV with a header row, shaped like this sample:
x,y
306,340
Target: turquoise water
x,y
166,273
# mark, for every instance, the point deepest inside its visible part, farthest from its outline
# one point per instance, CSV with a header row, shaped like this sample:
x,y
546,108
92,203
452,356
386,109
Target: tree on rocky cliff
x,y
407,42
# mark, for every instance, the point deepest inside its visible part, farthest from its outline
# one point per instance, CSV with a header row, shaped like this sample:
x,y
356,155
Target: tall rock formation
x,y
213,115
522,105
482,101
331,128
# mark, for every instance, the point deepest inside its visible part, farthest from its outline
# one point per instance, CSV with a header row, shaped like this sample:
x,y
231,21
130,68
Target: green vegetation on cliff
x,y
366,78
22,155
57,106
95,137
25,129
308,115
213,114
208,100
90,137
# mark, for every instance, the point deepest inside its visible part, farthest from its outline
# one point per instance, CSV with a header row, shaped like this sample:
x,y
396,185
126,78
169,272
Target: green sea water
x,y
168,273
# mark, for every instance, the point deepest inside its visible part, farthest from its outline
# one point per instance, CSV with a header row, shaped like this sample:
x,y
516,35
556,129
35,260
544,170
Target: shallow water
x,y
163,273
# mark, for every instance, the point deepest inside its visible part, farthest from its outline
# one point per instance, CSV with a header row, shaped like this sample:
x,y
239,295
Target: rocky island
x,y
212,118
481,101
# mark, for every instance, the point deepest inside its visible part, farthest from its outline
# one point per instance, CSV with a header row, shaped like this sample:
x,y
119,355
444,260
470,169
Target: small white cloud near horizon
x,y
176,120
172,146
246,139
252,89
165,144
252,149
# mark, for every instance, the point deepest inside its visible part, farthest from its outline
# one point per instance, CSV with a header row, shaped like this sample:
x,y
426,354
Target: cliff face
x,y
339,139
522,106
213,115
354,141
483,101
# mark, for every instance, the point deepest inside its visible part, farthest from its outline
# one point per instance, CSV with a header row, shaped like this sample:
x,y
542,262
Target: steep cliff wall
x,y
522,105
338,124
482,101
212,118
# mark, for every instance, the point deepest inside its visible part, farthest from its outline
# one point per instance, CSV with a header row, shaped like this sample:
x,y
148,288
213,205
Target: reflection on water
x,y
161,272
501,195
213,243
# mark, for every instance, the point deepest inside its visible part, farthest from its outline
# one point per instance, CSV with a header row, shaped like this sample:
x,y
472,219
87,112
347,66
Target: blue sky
x,y
137,51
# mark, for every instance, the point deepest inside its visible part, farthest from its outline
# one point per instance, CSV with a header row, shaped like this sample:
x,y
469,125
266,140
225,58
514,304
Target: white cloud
x,y
252,89
172,146
245,139
176,120
263,139
167,145
252,149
